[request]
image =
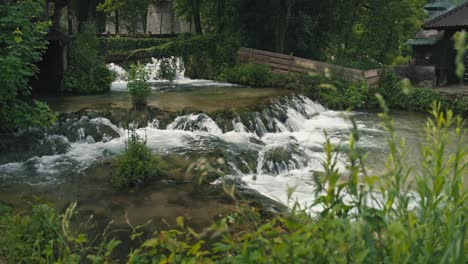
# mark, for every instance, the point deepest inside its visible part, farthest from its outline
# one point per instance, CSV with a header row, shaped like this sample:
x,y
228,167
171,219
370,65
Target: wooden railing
x,y
285,64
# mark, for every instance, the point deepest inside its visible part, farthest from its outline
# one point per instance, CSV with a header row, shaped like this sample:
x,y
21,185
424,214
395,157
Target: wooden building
x,y
451,22
433,53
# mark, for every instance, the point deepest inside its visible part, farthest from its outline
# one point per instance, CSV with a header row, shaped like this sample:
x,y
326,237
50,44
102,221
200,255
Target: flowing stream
x,y
269,149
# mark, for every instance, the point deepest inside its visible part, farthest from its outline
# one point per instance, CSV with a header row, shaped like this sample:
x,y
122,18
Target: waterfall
x,y
153,68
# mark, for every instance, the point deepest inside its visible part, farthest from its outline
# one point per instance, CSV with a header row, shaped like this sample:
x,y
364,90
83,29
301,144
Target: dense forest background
x,y
370,31
356,33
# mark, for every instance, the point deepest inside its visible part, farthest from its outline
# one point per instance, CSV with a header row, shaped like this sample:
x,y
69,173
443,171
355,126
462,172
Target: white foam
x,y
303,129
120,83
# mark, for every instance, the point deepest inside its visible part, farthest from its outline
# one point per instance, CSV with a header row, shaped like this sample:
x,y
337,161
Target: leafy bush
x,y
391,89
23,114
340,94
138,86
333,92
22,42
46,236
86,72
136,165
109,45
248,74
401,95
167,69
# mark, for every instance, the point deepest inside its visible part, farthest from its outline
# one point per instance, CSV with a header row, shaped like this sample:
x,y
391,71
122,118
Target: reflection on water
x,y
169,98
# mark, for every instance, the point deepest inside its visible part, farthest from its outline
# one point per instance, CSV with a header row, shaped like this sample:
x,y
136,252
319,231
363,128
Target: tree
x,y
191,11
22,43
129,13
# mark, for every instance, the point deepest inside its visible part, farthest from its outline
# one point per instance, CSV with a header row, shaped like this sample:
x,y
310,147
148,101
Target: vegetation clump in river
x,y
138,86
136,165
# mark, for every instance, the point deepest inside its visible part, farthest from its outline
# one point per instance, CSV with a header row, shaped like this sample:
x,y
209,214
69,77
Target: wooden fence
x,y
285,64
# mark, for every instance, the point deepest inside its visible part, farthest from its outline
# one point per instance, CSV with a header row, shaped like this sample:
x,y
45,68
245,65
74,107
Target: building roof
x,y
426,37
455,19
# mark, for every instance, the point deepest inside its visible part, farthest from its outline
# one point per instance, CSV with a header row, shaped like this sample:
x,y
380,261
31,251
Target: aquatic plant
x,y
167,69
136,165
138,86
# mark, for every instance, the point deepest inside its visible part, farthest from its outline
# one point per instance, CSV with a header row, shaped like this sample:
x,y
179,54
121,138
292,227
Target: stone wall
x,y
160,20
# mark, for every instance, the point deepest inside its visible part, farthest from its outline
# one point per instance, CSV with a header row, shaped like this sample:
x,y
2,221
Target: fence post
x,y
291,59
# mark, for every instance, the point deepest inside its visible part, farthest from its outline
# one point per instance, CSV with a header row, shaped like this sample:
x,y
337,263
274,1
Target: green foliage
x,y
248,74
204,56
22,43
86,72
131,14
167,69
391,89
111,45
138,86
401,95
24,114
46,236
331,91
136,165
340,94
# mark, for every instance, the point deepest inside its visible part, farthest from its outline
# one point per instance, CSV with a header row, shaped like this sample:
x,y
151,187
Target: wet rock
x,y
87,130
21,147
282,158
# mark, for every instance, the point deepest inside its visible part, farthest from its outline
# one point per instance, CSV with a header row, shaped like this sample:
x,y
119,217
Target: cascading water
x,y
268,150
153,69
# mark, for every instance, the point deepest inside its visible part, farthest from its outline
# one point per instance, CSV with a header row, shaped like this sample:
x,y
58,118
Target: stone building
x,y
160,19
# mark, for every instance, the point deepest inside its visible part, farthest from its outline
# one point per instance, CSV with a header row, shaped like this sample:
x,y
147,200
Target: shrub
x,y
341,94
391,89
333,92
22,42
401,95
138,86
109,45
167,69
86,72
46,236
248,74
136,165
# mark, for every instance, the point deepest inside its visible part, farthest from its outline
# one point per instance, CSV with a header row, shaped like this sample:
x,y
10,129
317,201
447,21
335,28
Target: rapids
x,y
268,151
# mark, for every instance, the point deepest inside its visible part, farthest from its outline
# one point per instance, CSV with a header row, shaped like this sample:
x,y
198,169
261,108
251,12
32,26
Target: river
x,y
271,140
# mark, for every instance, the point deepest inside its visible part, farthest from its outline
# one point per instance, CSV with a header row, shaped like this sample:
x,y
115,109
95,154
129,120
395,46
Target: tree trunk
x,y
116,22
220,15
283,27
196,16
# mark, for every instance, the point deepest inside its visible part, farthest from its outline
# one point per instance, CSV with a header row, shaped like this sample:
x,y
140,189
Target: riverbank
x,y
338,94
